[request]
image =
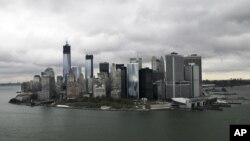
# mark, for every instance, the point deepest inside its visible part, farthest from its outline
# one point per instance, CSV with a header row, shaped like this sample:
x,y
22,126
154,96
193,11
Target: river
x,y
24,123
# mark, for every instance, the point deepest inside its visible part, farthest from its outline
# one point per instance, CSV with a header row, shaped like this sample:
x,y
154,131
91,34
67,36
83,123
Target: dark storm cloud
x,y
33,33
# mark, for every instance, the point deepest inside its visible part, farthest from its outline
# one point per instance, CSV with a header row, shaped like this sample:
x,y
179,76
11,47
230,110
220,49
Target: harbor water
x,y
24,123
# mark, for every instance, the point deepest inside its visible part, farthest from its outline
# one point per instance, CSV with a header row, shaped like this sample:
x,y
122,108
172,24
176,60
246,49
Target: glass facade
x,y
89,66
66,59
133,80
77,71
66,64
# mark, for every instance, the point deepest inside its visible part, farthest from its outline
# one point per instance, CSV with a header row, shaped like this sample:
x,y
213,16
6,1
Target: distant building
x,y
104,67
37,78
90,85
72,88
159,90
115,79
158,68
48,85
137,60
197,60
133,80
82,84
46,93
99,89
66,59
59,86
146,83
77,71
104,80
89,70
175,67
155,64
175,84
194,58
31,86
123,79
119,66
192,75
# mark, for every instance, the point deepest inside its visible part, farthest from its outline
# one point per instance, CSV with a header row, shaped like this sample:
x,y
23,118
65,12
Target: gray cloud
x,y
32,33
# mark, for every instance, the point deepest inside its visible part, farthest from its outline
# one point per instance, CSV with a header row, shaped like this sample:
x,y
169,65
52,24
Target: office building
x,y
77,71
155,64
115,81
66,60
175,84
59,87
137,60
158,68
37,78
146,83
123,79
133,80
104,67
105,81
99,88
119,66
72,87
48,85
192,75
89,70
89,85
194,58
175,67
159,90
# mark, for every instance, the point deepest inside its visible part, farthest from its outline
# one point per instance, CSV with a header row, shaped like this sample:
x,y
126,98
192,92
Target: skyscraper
x,y
146,83
89,66
119,66
133,80
66,60
104,67
137,60
194,58
115,80
59,86
73,88
192,75
48,85
158,68
89,70
123,79
175,67
77,71
175,84
155,63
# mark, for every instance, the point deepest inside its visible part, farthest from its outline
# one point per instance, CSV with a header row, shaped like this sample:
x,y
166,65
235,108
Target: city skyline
x,y
33,33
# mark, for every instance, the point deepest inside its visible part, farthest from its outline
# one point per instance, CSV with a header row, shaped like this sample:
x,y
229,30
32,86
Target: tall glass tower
x,y
89,66
66,60
133,80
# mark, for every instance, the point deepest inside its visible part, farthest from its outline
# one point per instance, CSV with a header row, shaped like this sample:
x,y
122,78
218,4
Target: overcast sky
x,y
32,33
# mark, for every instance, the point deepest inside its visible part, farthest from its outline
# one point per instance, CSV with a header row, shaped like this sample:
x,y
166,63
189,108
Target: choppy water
x,y
23,123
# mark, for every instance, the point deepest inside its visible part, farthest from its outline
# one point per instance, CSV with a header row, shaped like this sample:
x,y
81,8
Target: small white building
x,y
189,102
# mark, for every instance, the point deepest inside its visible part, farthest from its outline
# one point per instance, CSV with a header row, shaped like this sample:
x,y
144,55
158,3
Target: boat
x,y
105,107
221,101
62,106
